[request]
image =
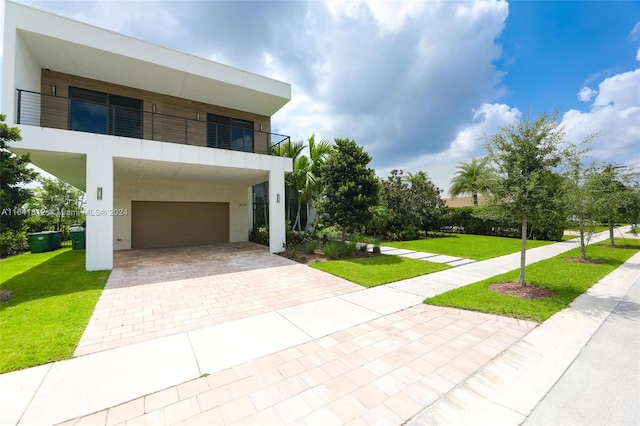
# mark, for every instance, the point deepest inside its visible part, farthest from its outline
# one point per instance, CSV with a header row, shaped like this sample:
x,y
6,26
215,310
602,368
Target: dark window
x,y
98,112
229,133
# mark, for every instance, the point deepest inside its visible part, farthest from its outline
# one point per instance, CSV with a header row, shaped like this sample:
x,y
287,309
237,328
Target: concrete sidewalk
x,y
367,327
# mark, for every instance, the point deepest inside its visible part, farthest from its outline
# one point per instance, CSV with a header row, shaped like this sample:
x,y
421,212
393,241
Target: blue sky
x,y
553,49
417,83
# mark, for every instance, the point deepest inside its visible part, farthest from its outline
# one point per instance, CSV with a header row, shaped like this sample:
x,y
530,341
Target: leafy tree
x,y
413,201
59,204
524,185
13,175
614,196
304,181
350,187
471,178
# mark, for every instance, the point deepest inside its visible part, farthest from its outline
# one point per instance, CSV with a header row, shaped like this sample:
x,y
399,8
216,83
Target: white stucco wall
x,y
127,190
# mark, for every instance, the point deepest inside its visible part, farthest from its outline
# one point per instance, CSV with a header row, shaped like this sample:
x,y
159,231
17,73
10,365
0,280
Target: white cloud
x,y
635,32
586,94
638,55
615,114
468,143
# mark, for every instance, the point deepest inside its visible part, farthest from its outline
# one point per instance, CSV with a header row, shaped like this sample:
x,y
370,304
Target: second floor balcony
x,y
125,117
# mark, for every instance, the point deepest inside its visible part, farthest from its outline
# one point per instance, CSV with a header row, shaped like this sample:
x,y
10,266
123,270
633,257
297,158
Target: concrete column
x,y
99,233
277,216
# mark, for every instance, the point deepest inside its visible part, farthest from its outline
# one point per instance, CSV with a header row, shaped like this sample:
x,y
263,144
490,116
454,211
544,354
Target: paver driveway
x,y
160,292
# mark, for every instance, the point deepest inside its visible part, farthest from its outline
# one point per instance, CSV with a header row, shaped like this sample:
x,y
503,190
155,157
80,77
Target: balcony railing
x,y
39,109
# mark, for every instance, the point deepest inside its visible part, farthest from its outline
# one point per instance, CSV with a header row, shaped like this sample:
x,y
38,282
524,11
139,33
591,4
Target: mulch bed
x,y
523,292
580,260
307,258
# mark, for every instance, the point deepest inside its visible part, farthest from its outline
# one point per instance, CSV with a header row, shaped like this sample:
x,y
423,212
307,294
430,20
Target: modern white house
x,y
166,145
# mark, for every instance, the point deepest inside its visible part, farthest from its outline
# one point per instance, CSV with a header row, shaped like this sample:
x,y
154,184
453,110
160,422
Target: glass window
x,y
89,117
97,112
229,133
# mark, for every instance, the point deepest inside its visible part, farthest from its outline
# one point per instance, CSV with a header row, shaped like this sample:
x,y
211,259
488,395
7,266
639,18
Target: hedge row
x,y
473,220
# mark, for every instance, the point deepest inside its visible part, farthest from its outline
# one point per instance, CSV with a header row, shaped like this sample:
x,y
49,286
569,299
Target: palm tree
x,y
470,179
304,180
308,171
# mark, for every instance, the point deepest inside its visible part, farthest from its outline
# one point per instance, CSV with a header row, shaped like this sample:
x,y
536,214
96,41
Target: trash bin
x,y
39,242
55,239
77,234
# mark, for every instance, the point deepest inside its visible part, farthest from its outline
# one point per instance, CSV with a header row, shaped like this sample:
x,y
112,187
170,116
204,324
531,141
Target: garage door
x,y
172,224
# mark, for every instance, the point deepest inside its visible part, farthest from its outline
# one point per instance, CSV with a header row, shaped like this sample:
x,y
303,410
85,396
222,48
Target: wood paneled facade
x,y
175,120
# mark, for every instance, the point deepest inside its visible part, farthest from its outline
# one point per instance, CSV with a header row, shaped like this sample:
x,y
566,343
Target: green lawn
x,y
478,247
373,271
567,280
53,298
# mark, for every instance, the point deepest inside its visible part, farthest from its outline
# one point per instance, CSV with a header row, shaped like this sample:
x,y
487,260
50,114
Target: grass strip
x,y
52,299
477,247
374,271
567,280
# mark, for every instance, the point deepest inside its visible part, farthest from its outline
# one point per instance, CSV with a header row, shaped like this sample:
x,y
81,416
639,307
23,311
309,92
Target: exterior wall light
x,y
278,198
53,89
153,108
99,195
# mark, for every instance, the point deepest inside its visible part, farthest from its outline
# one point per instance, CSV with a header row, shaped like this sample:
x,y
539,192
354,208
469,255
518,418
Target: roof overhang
x,y
68,46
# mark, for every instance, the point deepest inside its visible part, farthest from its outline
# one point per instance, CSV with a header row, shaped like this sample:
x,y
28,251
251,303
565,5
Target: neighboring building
x,y
462,201
166,145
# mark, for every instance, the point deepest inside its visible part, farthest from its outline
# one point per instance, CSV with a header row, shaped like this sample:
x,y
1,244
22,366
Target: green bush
x,y
330,233
350,248
478,221
260,235
333,249
310,247
13,243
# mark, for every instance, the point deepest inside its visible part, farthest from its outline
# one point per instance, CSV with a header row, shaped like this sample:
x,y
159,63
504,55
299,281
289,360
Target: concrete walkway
x,y
371,356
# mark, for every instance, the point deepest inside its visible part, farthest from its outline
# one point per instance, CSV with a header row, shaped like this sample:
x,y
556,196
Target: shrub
x,y
330,233
479,221
13,243
333,249
260,235
350,248
376,249
310,246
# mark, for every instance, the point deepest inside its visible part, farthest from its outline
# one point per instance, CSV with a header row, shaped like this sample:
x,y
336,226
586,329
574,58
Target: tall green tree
x,y
312,187
412,201
524,184
13,176
614,196
59,205
350,187
471,178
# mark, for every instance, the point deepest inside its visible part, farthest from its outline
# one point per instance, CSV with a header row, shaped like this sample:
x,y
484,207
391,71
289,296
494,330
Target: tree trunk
x,y
475,198
523,252
344,235
297,222
583,246
613,242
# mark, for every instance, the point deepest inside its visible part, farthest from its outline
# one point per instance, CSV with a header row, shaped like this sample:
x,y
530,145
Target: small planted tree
x,y
350,188
614,193
524,185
